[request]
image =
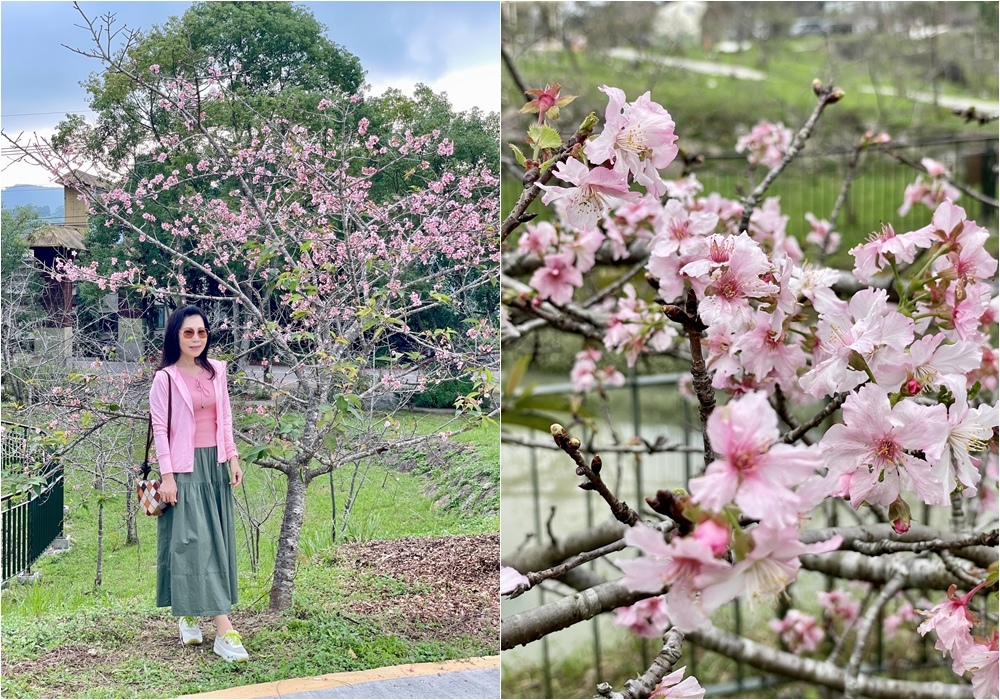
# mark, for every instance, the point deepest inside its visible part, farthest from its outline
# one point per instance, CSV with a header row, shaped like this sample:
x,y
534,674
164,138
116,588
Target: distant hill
x,y
48,200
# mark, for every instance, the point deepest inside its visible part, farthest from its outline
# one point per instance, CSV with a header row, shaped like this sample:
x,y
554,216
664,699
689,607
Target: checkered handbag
x,y
149,489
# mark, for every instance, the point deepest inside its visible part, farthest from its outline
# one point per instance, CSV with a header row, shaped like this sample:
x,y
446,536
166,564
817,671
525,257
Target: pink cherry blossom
x,y
969,430
766,144
867,334
673,687
596,191
638,138
647,618
752,467
586,376
930,362
822,235
969,260
951,621
584,246
636,326
678,565
800,632
729,271
930,194
557,279
769,227
679,225
713,534
764,350
838,605
767,569
875,443
538,238
984,662
873,256
934,168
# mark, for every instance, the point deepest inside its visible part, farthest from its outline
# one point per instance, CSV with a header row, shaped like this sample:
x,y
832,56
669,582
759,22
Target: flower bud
x,y
574,443
556,429
899,515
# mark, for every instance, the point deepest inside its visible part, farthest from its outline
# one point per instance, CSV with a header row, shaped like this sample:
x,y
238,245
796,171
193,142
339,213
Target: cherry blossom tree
x,y
277,232
873,388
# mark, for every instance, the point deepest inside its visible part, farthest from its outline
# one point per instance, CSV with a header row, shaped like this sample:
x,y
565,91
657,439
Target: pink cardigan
x,y
177,454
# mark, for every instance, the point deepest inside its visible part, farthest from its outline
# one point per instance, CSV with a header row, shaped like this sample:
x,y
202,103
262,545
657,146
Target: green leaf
x,y
535,421
521,160
544,136
330,441
516,374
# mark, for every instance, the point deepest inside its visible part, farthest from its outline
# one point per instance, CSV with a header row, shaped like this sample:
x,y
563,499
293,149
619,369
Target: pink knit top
x,y
205,410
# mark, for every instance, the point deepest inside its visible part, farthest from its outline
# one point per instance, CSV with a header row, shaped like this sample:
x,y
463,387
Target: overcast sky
x,y
453,47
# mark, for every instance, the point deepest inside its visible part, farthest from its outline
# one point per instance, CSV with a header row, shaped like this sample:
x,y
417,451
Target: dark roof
x,y
77,179
52,236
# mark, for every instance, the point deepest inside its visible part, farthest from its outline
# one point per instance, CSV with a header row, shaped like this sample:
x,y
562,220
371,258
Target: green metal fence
x,y
32,519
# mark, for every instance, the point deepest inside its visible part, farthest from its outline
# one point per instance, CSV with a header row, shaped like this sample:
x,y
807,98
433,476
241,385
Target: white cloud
x,y
24,172
474,86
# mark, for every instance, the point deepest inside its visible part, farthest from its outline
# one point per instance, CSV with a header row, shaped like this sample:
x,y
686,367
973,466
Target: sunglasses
x,y
189,333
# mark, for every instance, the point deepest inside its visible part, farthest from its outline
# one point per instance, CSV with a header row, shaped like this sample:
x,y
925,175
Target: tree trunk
x,y
99,577
131,536
288,544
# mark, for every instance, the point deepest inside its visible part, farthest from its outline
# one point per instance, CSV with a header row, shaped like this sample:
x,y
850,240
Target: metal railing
x,y
32,519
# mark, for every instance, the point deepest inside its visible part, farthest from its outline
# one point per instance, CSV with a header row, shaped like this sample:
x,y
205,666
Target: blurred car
x,y
809,26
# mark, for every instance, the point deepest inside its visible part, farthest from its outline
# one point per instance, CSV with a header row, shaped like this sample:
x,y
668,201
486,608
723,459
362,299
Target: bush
x,y
442,395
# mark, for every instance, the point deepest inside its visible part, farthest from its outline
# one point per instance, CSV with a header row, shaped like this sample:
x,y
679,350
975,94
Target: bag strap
x,y
149,429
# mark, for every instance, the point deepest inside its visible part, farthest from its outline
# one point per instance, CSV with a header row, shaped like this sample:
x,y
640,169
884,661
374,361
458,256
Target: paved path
x,y
986,106
706,67
465,678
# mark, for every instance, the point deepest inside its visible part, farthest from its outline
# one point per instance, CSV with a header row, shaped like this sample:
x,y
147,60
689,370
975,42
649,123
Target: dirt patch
x,y
453,585
433,458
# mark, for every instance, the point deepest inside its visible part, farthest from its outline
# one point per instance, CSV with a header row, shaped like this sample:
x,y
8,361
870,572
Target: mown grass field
x,y
129,648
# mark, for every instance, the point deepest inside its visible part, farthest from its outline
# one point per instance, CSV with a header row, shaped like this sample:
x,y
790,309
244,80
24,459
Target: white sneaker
x,y
190,632
230,647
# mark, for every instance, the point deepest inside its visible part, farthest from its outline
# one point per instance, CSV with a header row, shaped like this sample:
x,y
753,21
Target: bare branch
x,y
827,96
797,433
853,669
571,446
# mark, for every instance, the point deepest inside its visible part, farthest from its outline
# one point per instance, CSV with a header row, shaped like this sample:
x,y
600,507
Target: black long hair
x,y
172,343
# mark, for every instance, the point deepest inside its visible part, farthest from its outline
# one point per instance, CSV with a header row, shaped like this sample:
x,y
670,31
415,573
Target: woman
x,y
196,537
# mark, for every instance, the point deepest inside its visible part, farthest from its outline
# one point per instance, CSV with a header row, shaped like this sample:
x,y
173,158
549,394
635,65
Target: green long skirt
x,y
196,543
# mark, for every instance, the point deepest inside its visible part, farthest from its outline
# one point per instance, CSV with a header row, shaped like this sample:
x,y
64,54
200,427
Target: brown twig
x,y
660,445
508,62
687,317
845,187
835,403
536,577
780,406
592,472
517,215
827,96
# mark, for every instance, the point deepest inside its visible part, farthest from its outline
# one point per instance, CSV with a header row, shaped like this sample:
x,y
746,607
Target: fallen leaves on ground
x,y
453,585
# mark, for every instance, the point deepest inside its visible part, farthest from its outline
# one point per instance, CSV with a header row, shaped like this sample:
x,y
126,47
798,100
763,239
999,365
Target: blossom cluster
x,y
952,622
907,357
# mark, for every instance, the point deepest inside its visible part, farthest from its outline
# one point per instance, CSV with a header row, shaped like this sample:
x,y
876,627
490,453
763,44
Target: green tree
x,y
273,55
20,310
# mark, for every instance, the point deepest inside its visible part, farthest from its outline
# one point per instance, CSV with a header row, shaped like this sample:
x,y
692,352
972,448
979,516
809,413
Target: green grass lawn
x,y
48,627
